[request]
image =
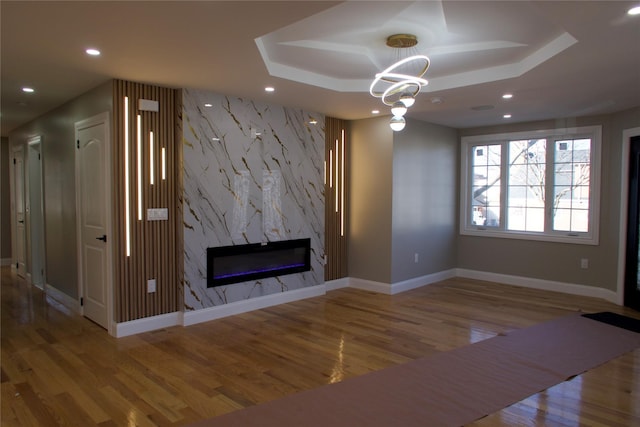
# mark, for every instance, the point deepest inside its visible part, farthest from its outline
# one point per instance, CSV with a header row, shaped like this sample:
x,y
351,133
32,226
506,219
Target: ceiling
x,y
558,59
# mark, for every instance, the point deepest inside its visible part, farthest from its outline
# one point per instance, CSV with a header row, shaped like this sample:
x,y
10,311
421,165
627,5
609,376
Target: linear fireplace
x,y
240,263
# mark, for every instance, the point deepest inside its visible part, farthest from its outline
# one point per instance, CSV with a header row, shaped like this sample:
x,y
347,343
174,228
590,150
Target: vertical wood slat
x,y
153,248
335,243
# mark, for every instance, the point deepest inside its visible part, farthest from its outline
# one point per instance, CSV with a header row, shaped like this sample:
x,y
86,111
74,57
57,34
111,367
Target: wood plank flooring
x,y
59,369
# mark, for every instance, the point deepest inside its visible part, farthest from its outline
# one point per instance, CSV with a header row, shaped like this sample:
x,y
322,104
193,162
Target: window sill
x,y
580,239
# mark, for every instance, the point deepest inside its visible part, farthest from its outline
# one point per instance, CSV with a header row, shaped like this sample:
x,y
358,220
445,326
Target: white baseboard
x,y
4,262
546,285
206,314
180,318
405,285
332,285
212,313
370,285
146,324
64,299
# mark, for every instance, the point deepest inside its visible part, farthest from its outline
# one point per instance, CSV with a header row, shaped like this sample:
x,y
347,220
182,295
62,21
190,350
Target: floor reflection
x,y
337,374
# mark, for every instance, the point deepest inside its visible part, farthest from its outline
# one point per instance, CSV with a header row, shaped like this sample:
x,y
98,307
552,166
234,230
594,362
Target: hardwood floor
x,y
61,369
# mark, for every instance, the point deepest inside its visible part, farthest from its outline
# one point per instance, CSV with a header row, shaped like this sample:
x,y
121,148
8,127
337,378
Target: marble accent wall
x,y
252,173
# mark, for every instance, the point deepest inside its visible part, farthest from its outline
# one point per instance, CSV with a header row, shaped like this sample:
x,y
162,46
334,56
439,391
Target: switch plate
x,y
151,286
584,263
157,214
148,105
415,257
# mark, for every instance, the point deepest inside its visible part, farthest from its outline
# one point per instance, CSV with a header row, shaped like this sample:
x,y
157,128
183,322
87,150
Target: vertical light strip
x,y
330,168
337,170
164,165
325,172
139,171
127,207
151,171
342,188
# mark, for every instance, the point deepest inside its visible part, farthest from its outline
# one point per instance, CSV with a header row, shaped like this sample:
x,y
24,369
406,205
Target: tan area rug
x,y
450,388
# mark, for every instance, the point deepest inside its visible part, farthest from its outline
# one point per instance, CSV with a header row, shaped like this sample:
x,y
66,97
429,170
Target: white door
x,y
19,212
93,206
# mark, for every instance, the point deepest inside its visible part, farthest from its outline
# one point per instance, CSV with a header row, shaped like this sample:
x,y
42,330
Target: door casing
x,y
627,134
35,213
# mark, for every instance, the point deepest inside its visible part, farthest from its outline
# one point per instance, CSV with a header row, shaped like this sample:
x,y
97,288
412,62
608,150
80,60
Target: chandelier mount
x,y
402,41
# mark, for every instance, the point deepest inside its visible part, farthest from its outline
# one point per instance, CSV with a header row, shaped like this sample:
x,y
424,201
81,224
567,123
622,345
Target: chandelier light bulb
x,y
398,109
397,123
407,99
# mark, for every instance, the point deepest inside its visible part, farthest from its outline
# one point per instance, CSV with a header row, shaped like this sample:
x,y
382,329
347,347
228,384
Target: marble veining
x,y
252,172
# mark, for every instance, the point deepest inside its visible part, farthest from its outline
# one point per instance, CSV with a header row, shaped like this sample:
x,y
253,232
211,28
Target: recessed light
x,y
375,111
28,89
634,10
507,116
208,105
215,138
313,122
507,96
92,52
269,89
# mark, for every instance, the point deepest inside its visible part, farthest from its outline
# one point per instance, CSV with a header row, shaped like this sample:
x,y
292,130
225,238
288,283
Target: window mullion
x,y
549,178
504,183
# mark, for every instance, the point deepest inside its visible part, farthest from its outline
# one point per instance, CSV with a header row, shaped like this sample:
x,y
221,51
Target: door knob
x,y
103,238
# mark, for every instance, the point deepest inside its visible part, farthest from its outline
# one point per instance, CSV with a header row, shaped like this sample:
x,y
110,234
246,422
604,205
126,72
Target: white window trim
x,y
589,238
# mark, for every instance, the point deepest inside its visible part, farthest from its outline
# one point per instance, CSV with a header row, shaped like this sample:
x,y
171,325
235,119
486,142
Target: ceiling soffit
x,y
342,48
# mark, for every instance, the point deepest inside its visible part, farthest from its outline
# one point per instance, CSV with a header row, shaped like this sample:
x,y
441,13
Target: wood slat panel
x,y
335,240
153,243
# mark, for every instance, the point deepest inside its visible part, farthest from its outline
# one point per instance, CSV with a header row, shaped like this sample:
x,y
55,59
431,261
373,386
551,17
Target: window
x,y
539,185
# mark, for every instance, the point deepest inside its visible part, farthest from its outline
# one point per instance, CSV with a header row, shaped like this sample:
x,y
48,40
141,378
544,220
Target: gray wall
x,y
370,203
403,200
58,153
425,158
559,261
5,202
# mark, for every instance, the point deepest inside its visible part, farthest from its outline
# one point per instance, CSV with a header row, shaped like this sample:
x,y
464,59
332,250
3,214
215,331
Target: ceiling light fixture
x,y
28,89
397,123
507,96
375,111
399,84
93,52
398,108
507,116
634,11
208,105
407,99
269,89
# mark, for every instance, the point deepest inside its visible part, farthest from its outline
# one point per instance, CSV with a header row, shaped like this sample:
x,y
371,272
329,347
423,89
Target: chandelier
x,y
398,85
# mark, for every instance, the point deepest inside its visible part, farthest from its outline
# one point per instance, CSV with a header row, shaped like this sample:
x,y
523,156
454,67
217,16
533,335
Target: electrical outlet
x,y
584,263
151,286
